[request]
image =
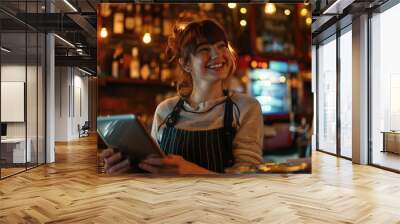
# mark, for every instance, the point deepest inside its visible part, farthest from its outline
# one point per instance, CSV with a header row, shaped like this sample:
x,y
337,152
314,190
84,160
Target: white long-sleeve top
x,y
247,120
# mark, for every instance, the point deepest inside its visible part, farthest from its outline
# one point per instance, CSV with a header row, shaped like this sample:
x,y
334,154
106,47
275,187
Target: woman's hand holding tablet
x,y
115,162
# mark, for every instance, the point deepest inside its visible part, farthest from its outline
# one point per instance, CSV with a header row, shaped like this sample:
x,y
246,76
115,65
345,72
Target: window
x,y
385,89
327,96
346,93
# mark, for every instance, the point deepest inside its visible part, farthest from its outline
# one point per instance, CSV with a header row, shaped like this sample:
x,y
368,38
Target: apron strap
x,y
173,117
228,129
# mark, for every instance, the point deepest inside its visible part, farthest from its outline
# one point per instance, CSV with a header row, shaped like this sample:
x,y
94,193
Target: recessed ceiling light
x,y
65,41
5,49
70,5
84,71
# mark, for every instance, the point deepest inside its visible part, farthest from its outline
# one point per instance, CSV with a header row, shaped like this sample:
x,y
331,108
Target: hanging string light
x,y
146,38
270,8
103,32
308,21
232,5
303,12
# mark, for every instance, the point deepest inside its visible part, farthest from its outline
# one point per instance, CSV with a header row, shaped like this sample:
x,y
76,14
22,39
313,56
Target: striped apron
x,y
210,149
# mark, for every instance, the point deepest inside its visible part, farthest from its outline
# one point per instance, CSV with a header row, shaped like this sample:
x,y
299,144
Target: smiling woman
x,y
207,128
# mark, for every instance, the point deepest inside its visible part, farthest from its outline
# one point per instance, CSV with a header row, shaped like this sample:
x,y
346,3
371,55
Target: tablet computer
x,y
126,133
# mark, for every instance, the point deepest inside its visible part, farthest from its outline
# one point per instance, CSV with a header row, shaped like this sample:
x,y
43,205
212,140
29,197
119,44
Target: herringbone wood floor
x,y
71,191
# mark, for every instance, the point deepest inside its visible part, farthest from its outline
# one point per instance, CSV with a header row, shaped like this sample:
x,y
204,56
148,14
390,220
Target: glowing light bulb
x,y
308,21
253,64
103,32
303,12
243,10
270,8
287,12
146,38
232,5
243,22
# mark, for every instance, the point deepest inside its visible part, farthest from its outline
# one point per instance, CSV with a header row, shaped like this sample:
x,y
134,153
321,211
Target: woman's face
x,y
210,62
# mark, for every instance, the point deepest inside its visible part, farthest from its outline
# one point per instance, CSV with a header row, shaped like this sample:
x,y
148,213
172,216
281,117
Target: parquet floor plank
x,y
71,191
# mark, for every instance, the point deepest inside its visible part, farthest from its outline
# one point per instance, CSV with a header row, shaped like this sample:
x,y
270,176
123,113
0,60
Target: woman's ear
x,y
185,66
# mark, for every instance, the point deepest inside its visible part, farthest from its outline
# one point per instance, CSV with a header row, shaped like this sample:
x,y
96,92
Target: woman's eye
x,y
223,45
204,49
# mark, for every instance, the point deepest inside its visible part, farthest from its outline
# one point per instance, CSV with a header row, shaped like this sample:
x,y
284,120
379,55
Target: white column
x,y
360,90
50,94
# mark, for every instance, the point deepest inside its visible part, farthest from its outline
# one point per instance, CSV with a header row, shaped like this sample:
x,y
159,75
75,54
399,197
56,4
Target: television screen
x,y
271,90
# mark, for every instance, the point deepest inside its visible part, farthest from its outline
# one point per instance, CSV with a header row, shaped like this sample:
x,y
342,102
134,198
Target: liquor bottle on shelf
x,y
138,19
167,25
156,14
145,72
129,19
147,19
157,26
105,10
118,27
154,70
125,60
117,62
115,67
135,64
165,73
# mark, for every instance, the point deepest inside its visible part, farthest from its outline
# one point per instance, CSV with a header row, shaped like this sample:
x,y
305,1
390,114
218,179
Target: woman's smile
x,y
216,66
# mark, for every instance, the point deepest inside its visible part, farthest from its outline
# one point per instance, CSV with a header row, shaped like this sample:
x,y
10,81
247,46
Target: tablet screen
x,y
126,133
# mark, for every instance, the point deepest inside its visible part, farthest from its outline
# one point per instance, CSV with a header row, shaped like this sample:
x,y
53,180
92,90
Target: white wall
x,y
33,126
71,94
61,103
13,73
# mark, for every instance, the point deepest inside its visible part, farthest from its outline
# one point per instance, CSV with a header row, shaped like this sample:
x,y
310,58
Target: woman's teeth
x,y
216,66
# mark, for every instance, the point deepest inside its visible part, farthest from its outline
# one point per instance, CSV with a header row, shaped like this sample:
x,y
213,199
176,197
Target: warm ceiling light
x,y
243,22
303,12
270,8
5,50
103,32
287,12
146,38
232,5
243,10
70,5
308,21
